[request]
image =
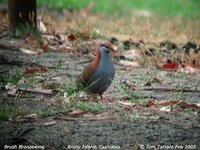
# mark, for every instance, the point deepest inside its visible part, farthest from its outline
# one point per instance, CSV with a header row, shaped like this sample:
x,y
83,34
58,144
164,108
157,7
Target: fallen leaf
x,y
148,83
45,46
31,40
76,112
64,47
49,123
61,37
57,101
190,69
38,90
42,27
71,37
30,116
64,118
36,70
187,105
9,86
12,91
28,51
171,66
97,31
162,102
158,80
12,88
129,63
126,105
57,79
14,45
131,54
165,109
101,116
154,117
181,104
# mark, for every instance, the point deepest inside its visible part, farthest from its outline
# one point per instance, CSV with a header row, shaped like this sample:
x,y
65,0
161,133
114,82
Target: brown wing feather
x,y
86,74
89,70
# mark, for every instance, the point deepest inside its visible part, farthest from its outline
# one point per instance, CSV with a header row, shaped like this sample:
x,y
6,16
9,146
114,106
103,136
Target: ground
x,y
148,105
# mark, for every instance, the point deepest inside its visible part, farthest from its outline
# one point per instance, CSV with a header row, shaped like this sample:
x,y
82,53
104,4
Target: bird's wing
x,y
87,73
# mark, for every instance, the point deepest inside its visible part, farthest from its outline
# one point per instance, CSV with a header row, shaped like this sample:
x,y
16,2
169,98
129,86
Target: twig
x,y
64,118
85,119
41,91
167,89
102,119
84,62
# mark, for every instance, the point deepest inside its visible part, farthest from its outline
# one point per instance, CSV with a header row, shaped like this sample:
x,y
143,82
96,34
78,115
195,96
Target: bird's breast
x,y
103,75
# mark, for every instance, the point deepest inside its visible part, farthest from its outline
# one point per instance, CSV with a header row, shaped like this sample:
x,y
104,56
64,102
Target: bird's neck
x,y
97,59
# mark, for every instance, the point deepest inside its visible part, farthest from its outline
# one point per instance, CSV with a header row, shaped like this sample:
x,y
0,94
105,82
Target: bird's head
x,y
106,47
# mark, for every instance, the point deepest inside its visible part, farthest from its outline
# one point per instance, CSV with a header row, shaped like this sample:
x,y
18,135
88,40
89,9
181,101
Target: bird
x,y
99,74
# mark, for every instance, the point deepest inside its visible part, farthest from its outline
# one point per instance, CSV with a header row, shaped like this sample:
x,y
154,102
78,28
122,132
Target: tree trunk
x,y
22,13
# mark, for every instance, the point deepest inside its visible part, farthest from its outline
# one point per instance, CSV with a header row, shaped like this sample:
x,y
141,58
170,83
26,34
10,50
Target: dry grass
x,y
151,29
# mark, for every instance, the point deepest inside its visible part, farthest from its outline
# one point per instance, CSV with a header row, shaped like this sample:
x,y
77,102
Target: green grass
x,y
71,89
15,77
136,97
183,8
27,30
95,35
58,65
7,78
90,107
6,113
46,112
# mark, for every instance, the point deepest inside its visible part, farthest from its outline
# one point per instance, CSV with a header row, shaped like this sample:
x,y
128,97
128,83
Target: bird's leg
x,y
101,96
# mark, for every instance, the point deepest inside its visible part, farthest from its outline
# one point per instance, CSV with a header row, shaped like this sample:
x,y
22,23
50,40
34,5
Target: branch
x,y
167,89
41,91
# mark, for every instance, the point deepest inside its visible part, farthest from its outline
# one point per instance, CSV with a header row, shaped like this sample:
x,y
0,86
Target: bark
x,y
22,13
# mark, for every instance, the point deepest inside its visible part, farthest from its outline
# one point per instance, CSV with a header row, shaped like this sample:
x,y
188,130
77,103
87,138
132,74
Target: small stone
x,y
168,44
85,51
150,52
141,42
179,60
126,45
190,44
122,57
186,50
113,40
169,61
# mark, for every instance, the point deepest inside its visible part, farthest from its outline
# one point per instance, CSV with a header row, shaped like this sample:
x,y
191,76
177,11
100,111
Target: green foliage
x,y
183,8
68,4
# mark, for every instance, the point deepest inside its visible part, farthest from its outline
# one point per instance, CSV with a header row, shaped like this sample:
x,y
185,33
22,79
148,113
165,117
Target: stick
x,y
168,89
41,91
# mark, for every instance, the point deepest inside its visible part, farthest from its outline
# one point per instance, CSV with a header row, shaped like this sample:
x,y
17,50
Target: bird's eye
x,y
106,48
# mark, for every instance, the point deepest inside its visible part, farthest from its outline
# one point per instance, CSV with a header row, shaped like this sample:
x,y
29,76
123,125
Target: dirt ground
x,y
117,126
148,106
